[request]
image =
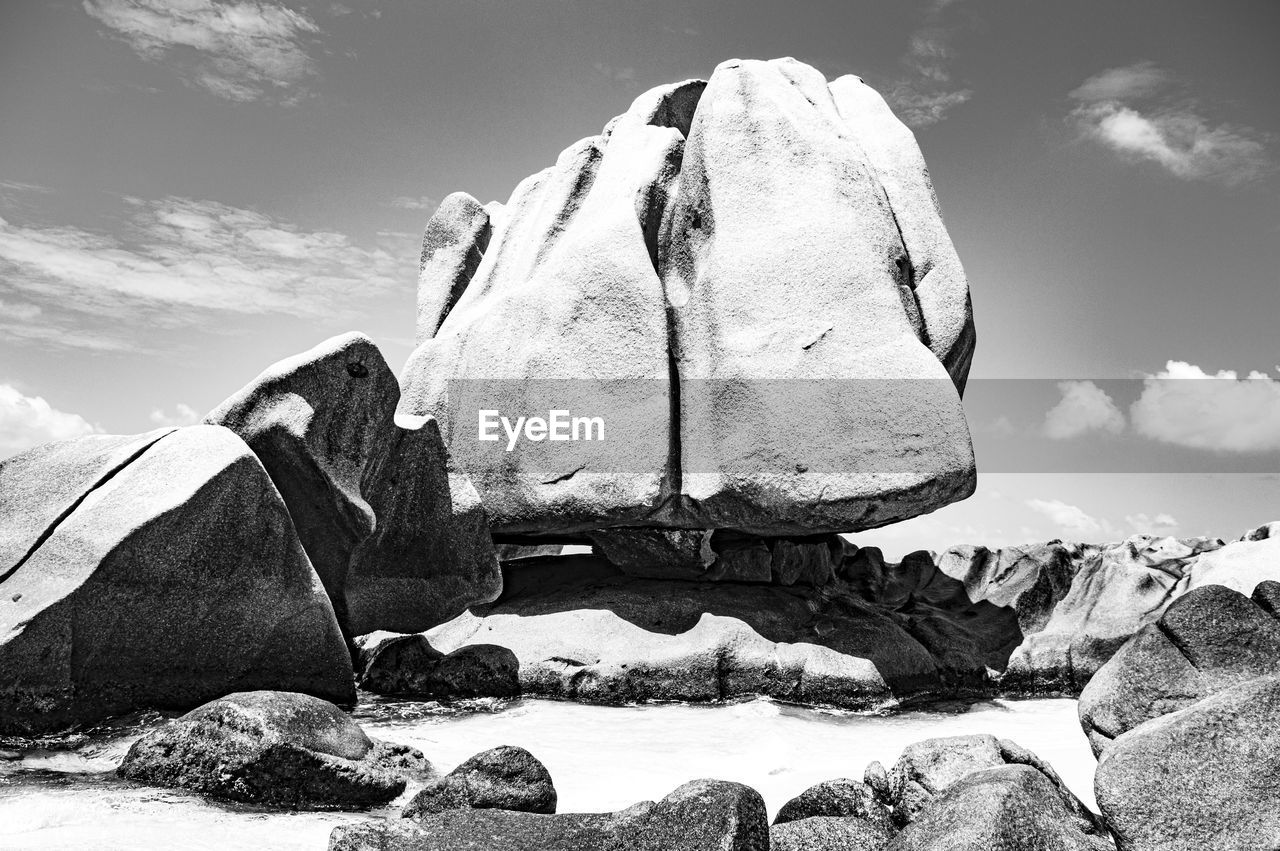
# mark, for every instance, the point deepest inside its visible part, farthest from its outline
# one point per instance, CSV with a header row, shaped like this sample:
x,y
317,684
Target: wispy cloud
x,y
422,202
1085,407
27,421
1186,406
1071,519
241,50
183,415
926,94
1128,110
616,73
176,262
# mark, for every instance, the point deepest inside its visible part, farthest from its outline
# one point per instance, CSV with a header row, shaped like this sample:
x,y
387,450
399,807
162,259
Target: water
x,y
602,758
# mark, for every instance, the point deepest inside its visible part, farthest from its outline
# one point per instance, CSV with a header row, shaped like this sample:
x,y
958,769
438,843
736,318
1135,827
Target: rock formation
x,y
273,748
153,571
399,539
775,334
504,778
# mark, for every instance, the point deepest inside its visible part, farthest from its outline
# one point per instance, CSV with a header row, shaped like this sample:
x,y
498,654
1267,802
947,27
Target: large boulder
x,y
1004,808
502,778
1207,641
929,768
828,833
580,629
1205,776
774,335
407,665
700,815
398,538
841,798
156,571
275,748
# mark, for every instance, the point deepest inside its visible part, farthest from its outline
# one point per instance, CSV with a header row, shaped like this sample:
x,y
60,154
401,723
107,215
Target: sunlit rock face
x,y
747,279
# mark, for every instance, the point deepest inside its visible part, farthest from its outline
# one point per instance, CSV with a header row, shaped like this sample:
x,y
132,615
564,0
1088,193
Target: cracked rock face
x,y
156,570
748,279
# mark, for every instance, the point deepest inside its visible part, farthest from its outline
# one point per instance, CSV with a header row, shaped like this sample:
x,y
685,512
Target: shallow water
x,y
601,758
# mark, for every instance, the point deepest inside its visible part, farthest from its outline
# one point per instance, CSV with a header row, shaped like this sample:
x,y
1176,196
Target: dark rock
x,y
1005,808
504,778
408,665
828,833
319,421
700,815
431,555
929,768
1206,776
159,571
657,553
275,748
842,798
1208,640
719,555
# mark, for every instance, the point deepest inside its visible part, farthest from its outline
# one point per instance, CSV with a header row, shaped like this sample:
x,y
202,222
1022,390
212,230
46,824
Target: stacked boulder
x,y
775,334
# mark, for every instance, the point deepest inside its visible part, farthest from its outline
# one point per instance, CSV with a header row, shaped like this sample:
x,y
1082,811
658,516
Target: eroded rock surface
x,y
503,778
154,571
733,312
275,748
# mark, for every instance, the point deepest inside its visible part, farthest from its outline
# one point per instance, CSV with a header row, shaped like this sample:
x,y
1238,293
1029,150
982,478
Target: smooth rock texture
x,y
1207,776
408,665
398,537
734,312
274,748
319,421
927,769
580,629
700,815
1208,640
827,833
1006,808
503,778
159,571
837,798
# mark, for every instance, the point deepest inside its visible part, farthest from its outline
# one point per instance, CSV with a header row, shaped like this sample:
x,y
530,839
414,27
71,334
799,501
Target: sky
x,y
191,190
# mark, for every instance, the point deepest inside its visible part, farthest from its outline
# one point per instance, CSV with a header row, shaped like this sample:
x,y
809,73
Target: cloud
x,y
423,202
27,421
616,73
1118,109
1084,407
240,50
1160,525
1185,406
183,415
927,94
176,262
1069,518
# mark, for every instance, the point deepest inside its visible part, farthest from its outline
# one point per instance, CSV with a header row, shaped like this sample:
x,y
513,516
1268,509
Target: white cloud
x,y
927,94
1084,407
1116,109
241,50
1071,519
183,415
405,202
1161,525
27,421
1185,406
177,261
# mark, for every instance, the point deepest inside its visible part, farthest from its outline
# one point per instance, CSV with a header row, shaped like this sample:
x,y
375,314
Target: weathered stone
x,y
841,798
1031,579
319,421
1206,776
827,833
408,665
929,768
431,556
657,553
504,778
701,295
1208,640
1005,808
700,815
275,748
161,571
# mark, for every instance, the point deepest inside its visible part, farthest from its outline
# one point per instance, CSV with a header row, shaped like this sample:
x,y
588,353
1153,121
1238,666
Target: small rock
x,y
843,798
409,665
277,748
504,778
